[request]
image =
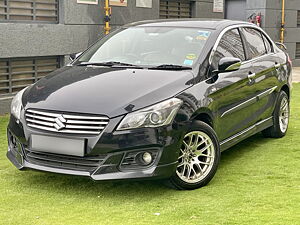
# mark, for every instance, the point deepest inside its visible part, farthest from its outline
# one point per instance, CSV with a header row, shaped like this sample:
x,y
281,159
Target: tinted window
x,y
230,46
268,44
256,46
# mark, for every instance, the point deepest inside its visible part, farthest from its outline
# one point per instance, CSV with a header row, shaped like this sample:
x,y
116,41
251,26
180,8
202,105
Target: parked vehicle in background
x,y
156,99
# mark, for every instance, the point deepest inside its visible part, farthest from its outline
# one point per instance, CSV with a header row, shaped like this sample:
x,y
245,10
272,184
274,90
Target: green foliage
x,y
257,183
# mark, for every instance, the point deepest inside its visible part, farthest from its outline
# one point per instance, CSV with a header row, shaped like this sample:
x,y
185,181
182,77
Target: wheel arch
x,y
205,116
286,89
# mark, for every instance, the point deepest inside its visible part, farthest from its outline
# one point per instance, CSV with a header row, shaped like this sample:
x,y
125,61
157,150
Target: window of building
x,y
175,9
256,45
44,11
298,18
230,45
298,50
17,73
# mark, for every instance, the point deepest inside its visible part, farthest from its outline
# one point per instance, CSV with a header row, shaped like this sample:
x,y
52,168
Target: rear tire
x,y
280,118
198,159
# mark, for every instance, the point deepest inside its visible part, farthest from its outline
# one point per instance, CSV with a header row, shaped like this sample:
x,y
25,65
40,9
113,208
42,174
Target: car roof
x,y
214,24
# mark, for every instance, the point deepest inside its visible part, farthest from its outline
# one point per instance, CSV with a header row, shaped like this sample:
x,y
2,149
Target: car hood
x,y
103,90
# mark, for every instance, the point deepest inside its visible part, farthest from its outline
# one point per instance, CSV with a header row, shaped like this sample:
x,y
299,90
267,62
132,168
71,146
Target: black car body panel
x,y
80,83
235,105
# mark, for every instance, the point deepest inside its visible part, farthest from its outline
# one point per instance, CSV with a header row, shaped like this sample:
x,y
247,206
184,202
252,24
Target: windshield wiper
x,y
170,67
109,64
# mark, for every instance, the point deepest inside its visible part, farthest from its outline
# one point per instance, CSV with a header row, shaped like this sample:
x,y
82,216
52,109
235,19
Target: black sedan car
x,y
156,99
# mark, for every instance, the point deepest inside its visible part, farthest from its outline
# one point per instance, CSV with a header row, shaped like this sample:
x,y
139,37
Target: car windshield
x,y
148,46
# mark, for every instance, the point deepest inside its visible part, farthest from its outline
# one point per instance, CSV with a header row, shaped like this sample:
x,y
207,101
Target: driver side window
x,y
230,45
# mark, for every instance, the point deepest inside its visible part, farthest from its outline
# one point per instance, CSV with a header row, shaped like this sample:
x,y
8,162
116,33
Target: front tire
x,y
198,159
280,118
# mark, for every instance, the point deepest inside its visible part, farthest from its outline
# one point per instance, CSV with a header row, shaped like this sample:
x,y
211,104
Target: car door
x,y
264,69
233,95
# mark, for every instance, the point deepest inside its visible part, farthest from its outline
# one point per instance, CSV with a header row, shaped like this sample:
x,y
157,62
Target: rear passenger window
x,y
256,45
268,44
230,45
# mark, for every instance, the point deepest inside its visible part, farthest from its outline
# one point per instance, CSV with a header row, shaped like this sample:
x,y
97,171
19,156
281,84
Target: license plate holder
x,y
57,145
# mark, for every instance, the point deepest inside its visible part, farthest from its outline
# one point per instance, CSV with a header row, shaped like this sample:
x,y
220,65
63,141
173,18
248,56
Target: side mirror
x,y
229,64
74,56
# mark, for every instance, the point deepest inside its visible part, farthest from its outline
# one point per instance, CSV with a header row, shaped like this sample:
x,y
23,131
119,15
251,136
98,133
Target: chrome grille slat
x,y
85,122
43,113
40,117
62,131
85,117
66,122
83,127
40,122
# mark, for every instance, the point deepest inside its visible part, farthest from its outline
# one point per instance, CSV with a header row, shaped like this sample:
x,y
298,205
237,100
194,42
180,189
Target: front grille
x,y
65,122
86,164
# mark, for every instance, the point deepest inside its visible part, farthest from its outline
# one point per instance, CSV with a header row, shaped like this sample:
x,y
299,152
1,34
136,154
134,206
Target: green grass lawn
x,y
258,182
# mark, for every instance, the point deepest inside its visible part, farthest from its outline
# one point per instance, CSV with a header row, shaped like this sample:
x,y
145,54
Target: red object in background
x,y
255,18
258,19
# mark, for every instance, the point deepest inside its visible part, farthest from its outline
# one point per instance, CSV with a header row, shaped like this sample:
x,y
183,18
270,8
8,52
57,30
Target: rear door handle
x,y
251,76
277,65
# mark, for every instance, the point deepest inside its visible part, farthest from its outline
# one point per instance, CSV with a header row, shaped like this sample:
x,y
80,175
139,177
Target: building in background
x,y
271,11
37,36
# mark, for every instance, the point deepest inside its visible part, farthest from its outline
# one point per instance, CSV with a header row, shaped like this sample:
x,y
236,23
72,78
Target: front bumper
x,y
162,171
106,154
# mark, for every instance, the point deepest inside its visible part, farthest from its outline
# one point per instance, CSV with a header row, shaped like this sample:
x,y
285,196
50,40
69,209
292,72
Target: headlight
x,y
16,104
154,116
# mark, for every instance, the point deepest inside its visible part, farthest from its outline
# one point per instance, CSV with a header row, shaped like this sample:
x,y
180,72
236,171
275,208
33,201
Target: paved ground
x,y
296,74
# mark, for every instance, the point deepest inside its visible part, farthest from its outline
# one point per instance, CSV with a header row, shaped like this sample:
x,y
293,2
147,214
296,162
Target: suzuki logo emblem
x,y
60,122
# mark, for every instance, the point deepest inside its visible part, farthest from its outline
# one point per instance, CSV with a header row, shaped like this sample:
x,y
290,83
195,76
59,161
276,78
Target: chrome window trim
x,y
234,27
256,58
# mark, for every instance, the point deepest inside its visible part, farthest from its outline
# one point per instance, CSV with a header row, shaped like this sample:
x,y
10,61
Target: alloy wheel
x,y
196,159
284,115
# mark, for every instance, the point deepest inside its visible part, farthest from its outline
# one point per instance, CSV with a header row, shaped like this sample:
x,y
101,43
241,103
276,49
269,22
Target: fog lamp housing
x,y
15,147
139,159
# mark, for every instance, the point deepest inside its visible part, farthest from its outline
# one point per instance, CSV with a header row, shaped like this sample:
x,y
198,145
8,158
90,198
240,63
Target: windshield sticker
x,y
203,35
188,62
191,56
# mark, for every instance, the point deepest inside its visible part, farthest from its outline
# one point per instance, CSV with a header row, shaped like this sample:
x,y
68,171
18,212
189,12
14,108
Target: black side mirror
x,y
229,64
74,56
